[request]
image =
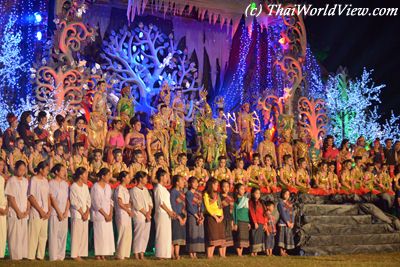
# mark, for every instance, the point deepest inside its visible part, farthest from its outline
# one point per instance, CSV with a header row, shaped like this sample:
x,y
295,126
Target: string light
x,y
235,91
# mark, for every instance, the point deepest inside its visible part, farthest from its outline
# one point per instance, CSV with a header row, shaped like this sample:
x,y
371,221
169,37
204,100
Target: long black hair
x,y
78,173
191,180
57,168
209,187
175,180
41,166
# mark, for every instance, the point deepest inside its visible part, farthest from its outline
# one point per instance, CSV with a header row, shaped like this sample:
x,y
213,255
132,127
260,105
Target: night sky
x,y
357,42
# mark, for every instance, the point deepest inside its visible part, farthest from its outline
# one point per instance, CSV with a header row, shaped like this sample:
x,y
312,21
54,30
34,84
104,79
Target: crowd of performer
x,y
108,170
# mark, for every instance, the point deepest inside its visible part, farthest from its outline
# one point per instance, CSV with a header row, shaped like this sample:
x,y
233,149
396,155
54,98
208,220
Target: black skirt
x,y
214,232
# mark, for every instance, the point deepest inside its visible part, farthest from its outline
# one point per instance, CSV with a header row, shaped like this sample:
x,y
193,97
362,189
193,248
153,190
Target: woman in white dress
x,y
162,216
102,215
39,197
58,222
123,214
18,212
79,198
3,210
142,205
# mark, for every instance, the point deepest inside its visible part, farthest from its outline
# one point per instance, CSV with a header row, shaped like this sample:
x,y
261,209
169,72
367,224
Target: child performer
x,y
80,207
58,222
333,178
142,205
181,169
302,176
18,154
123,214
3,211
269,182
285,223
195,223
79,159
39,197
96,165
239,175
241,219
346,179
200,173
178,206
322,180
138,163
102,215
269,228
384,180
117,166
36,156
17,218
222,172
257,211
227,207
162,216
213,223
255,171
288,174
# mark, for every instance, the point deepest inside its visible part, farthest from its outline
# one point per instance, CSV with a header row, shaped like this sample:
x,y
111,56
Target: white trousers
x,y
124,239
37,230
103,238
79,238
57,238
141,234
163,235
17,235
3,235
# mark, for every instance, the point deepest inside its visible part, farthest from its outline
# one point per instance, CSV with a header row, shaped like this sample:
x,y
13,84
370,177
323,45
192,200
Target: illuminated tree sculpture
x,y
351,106
145,57
312,118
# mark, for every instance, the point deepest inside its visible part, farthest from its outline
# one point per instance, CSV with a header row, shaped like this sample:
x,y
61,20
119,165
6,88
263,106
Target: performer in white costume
x,y
58,222
79,198
162,216
102,215
39,215
18,212
123,215
142,205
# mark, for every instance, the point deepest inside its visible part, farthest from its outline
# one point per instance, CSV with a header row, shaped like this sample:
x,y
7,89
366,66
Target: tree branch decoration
x,y
144,58
294,44
312,118
64,73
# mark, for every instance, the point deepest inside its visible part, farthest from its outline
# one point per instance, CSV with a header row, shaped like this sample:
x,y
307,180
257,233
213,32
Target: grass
x,y
382,259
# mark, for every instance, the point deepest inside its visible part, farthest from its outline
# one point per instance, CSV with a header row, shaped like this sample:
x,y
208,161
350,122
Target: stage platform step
x,y
318,209
345,219
350,249
340,229
345,229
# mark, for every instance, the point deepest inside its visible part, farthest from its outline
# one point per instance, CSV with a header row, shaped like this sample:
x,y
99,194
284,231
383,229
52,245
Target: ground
x,y
383,259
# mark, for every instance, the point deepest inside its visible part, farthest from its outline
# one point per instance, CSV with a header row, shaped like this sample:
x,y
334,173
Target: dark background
x,y
358,42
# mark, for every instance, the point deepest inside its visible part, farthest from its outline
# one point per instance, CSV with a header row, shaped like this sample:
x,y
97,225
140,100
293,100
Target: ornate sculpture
x,y
145,57
312,118
64,73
